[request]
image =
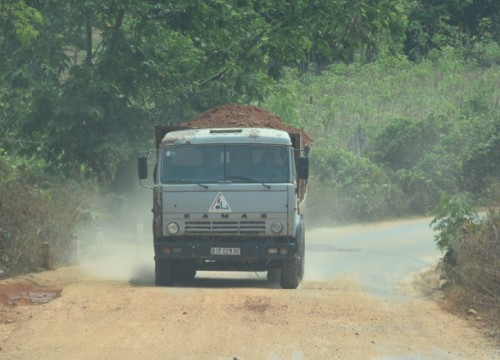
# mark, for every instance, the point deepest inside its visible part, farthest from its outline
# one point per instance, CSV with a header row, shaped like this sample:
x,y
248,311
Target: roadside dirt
x,y
223,317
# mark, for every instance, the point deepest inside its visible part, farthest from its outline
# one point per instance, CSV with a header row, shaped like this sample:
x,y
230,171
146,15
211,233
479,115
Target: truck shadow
x,y
224,283
145,278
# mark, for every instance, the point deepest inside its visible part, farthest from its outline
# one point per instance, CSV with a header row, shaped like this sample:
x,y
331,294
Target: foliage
x,y
100,75
422,166
345,187
404,142
454,218
19,22
481,168
473,277
36,212
457,24
429,127
349,31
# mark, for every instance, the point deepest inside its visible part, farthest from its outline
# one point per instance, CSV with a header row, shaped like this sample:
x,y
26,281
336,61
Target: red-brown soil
x,y
239,115
25,292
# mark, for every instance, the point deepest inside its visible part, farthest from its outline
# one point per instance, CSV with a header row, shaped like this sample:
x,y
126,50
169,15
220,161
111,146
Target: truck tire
x,y
290,274
274,276
292,270
302,254
163,273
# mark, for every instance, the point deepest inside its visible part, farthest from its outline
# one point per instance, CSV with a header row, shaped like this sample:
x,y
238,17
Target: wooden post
x,y
46,263
76,246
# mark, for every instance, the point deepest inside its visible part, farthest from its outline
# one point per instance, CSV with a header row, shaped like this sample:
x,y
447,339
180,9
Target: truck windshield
x,y
221,163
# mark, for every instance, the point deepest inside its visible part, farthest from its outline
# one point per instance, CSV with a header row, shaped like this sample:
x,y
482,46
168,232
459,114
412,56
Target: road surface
x,y
358,301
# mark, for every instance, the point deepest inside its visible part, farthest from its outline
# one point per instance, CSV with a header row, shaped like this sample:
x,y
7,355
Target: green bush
x,y
346,187
481,169
404,141
454,217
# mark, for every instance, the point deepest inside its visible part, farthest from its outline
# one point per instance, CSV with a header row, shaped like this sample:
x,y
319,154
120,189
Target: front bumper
x,y
247,251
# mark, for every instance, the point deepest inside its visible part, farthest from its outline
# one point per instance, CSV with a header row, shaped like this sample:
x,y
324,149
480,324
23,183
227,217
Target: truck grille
x,y
225,227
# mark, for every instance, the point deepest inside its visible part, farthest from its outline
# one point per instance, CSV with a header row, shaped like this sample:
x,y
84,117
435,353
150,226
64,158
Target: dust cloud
x,y
118,246
378,257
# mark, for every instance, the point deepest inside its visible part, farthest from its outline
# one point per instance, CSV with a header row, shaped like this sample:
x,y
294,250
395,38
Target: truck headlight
x,y
276,227
173,228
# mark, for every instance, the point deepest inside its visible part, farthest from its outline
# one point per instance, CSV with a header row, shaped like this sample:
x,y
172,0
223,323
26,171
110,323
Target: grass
x,y
332,106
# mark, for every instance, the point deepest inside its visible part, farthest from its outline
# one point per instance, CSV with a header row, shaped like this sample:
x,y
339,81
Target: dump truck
x,y
228,197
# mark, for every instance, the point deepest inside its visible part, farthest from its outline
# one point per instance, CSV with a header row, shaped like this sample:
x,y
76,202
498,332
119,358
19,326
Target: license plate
x,y
225,251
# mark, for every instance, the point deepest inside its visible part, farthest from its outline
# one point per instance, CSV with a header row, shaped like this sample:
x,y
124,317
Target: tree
x,y
436,24
348,30
102,73
18,22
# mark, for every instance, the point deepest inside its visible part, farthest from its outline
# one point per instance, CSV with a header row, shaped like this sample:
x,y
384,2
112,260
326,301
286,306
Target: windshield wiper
x,y
249,180
183,181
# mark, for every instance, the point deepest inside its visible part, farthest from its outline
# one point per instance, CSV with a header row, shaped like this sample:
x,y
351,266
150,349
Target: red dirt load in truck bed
x,y
238,115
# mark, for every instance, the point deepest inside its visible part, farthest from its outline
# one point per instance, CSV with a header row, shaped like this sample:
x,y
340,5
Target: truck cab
x,y
228,199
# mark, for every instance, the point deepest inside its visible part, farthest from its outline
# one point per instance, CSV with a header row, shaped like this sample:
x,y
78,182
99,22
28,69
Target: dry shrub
x,y
475,277
33,215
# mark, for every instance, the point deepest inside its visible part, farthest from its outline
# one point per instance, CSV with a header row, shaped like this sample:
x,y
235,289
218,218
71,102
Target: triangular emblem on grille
x,y
220,205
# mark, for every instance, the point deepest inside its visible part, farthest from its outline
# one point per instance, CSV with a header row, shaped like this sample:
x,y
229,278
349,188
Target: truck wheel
x,y
292,270
290,276
274,276
163,273
302,260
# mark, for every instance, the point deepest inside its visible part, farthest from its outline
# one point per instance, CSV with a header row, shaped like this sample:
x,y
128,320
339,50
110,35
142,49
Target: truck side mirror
x,y
303,170
142,167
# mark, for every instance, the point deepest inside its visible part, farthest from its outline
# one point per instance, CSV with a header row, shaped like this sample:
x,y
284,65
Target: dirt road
x,y
357,302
